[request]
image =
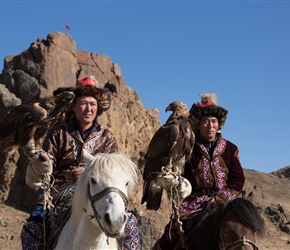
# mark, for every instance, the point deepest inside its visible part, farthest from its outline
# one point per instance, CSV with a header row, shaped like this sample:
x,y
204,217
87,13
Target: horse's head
x,y
103,191
240,222
227,226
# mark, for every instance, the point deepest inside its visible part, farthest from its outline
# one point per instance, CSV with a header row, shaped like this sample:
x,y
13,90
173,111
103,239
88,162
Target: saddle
x,y
195,221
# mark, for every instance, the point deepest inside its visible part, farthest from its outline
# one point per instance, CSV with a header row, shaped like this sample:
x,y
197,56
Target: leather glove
x,y
41,163
171,180
32,179
38,170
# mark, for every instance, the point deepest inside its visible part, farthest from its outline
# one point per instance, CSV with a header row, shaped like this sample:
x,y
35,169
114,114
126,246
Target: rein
x,y
98,196
241,242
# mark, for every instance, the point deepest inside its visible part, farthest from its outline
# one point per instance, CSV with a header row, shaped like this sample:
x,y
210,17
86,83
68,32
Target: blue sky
x,y
176,50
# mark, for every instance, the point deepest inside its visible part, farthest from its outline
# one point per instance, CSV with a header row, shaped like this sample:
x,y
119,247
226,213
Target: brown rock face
x,y
55,62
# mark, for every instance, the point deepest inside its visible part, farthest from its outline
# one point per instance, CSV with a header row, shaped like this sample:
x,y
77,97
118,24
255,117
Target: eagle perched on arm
x,y
169,149
27,124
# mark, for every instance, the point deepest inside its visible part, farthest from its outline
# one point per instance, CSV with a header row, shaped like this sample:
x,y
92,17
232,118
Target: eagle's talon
x,y
166,170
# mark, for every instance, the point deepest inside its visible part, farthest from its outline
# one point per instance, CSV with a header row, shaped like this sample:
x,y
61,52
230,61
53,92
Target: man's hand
x,y
76,172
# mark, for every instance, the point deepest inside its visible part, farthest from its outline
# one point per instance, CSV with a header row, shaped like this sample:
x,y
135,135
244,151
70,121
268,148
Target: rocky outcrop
x,y
8,100
55,62
277,215
283,172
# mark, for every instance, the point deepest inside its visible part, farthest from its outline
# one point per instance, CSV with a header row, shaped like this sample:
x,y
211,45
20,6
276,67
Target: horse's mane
x,y
206,236
247,214
102,168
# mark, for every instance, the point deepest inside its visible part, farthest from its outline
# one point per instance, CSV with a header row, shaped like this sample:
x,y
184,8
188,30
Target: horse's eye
x,y
127,183
225,232
93,180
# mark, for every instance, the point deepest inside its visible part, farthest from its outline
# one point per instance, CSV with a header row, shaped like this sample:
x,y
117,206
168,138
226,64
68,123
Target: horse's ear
x,y
244,194
251,197
88,158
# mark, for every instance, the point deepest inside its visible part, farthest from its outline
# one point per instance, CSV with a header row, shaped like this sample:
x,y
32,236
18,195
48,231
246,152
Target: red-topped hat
x,y
208,107
87,81
103,95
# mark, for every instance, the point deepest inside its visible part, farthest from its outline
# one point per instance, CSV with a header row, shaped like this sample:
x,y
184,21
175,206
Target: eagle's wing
x,y
182,150
157,157
19,126
160,146
19,116
60,107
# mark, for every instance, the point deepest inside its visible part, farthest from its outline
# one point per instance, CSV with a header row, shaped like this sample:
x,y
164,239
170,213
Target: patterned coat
x,y
221,173
65,143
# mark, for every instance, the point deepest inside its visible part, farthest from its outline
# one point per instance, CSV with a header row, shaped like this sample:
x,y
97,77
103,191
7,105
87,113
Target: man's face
x,y
208,127
85,109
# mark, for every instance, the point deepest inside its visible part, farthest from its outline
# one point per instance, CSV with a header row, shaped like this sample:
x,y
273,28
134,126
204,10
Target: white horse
x,y
99,203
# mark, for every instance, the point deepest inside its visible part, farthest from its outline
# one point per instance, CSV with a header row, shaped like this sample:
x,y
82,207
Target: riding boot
x,y
170,237
33,233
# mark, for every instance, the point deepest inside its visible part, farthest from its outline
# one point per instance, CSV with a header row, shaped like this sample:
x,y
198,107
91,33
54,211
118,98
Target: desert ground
x,y
268,189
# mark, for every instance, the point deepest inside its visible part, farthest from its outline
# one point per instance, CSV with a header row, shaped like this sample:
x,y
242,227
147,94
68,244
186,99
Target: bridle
x,y
241,242
97,197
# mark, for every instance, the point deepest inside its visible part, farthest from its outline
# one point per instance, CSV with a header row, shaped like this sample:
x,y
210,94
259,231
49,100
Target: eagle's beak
x,y
168,108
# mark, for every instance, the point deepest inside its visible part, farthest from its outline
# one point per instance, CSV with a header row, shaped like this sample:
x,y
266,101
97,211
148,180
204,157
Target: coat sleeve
x,y
236,178
111,143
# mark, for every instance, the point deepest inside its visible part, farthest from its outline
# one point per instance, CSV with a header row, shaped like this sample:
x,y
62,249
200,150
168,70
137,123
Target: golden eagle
x,y
27,124
169,149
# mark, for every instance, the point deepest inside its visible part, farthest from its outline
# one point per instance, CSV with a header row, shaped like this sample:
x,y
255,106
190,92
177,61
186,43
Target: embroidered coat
x,y
221,173
65,143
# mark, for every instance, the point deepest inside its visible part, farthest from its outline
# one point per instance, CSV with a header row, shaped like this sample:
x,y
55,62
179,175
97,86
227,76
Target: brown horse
x,y
229,226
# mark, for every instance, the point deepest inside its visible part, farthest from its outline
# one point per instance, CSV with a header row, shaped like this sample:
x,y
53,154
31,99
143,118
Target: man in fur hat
x,y
214,168
62,157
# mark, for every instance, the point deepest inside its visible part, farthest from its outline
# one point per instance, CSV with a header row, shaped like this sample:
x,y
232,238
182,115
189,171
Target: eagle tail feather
x,y
152,195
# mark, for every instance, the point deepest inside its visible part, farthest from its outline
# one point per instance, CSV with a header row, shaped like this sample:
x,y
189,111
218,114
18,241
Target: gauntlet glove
x,y
39,169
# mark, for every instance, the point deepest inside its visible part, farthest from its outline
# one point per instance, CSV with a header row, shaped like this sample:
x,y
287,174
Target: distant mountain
x,y
283,172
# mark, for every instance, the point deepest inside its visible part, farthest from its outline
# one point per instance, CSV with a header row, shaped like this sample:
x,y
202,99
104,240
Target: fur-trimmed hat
x,y
90,86
208,107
